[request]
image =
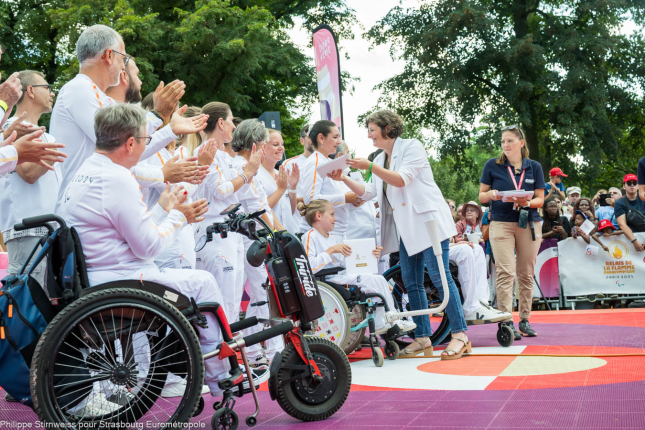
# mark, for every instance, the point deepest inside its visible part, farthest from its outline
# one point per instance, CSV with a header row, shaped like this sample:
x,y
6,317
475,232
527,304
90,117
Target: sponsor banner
x,y
328,75
546,270
620,270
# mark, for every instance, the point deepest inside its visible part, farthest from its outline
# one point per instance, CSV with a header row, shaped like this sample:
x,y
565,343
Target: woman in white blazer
x,y
403,183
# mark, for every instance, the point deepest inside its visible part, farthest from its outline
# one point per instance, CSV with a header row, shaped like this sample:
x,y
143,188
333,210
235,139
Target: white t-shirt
x,y
104,203
300,224
8,159
316,187
315,245
20,199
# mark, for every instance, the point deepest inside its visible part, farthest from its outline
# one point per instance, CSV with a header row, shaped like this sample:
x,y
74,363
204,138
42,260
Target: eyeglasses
x,y
514,127
126,57
631,183
49,87
147,138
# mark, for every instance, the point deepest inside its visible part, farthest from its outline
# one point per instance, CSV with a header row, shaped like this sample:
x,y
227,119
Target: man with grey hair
x,y
101,54
120,237
31,189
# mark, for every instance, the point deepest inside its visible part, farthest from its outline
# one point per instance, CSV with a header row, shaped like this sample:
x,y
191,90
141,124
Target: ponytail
x,y
524,151
309,211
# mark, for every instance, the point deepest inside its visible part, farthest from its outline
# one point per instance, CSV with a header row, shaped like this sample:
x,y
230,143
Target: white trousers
x,y
199,285
224,259
181,254
472,275
255,276
369,284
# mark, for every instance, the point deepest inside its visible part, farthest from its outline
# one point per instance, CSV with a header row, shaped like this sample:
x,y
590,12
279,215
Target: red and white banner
x,y
328,75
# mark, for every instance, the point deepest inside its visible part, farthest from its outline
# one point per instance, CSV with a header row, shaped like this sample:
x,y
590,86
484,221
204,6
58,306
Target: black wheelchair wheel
x,y
441,328
104,359
301,397
224,419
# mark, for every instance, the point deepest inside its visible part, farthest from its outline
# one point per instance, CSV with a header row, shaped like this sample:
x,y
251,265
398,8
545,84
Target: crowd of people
x,y
140,179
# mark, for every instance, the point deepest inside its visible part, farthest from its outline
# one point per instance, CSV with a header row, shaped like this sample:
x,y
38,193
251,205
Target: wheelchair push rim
x,y
334,324
102,343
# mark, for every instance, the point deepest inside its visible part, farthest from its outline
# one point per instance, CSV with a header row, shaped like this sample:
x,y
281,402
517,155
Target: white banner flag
x,y
621,270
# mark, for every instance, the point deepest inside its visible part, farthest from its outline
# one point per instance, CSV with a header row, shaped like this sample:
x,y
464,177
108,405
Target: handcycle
x,y
104,358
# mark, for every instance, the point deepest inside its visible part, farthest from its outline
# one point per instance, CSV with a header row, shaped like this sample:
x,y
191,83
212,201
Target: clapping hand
x,y
282,179
207,153
255,161
180,125
294,177
166,98
184,171
169,198
20,128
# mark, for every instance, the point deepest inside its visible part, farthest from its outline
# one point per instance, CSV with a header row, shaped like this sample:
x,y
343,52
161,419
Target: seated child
x,y
579,219
324,252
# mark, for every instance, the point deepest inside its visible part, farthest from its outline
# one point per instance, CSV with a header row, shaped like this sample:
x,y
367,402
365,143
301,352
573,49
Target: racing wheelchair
x,y
103,359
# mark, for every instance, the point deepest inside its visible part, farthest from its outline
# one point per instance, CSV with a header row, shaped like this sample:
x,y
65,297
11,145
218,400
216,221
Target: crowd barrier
x,y
570,268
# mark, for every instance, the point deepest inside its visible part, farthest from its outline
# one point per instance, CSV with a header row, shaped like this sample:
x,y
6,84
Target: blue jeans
x,y
412,273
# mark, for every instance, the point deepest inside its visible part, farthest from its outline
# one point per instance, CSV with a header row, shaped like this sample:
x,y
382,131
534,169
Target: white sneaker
x,y
260,375
405,325
177,389
94,405
258,361
485,315
383,329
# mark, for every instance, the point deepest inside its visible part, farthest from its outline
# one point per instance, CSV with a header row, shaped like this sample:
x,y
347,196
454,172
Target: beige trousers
x,y
515,254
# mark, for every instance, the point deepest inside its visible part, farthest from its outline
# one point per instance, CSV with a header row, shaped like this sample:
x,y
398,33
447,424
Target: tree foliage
x,y
235,51
563,69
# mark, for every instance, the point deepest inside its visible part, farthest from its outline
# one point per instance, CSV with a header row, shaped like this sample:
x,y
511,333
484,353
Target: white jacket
x,y
8,159
418,201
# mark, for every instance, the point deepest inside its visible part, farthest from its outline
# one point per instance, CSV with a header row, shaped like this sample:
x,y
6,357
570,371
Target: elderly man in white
x,y
120,237
101,54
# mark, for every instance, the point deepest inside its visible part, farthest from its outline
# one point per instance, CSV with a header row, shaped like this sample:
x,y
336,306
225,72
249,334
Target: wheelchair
x,y
104,358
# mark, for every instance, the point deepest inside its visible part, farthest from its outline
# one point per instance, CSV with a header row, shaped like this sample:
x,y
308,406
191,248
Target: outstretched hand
x,y
180,125
359,163
165,98
32,150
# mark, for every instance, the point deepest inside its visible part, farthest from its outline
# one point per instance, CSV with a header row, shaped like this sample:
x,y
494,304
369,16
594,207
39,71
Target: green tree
x,y
235,51
563,69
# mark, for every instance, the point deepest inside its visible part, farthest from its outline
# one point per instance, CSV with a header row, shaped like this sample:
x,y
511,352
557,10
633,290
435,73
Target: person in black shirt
x,y
554,226
622,206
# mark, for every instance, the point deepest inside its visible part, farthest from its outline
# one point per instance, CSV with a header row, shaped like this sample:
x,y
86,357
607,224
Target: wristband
x,y
293,191
3,105
246,180
369,172
634,240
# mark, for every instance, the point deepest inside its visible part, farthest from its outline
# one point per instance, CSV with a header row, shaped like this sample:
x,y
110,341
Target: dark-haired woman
x,y
403,184
514,243
554,226
325,138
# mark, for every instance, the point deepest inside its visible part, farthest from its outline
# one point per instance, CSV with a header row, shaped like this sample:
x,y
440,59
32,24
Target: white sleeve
x,y
215,183
148,176
129,215
251,197
160,140
82,107
152,123
313,185
8,159
370,192
318,259
414,159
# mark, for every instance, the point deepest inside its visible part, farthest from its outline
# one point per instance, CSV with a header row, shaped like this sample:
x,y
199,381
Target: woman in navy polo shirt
x,y
515,231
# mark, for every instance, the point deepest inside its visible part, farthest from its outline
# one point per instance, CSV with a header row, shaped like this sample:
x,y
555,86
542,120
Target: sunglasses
x,y
631,183
514,127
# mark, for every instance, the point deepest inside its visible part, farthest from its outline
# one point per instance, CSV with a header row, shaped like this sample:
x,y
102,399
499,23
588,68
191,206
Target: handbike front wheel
x,y
301,397
104,359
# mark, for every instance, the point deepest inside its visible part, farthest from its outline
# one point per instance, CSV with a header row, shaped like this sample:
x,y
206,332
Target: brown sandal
x,y
467,349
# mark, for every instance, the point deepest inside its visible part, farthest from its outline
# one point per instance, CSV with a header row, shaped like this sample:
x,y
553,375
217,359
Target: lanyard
x,y
510,172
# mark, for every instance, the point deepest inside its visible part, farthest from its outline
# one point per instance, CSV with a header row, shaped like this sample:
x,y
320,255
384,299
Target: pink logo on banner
x,y
328,76
4,264
546,268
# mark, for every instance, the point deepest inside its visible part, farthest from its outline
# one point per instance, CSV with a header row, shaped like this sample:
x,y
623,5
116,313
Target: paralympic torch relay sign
x,y
619,270
328,75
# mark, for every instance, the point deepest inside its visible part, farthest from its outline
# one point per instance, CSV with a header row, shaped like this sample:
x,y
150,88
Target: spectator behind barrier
x,y
555,187
573,195
607,212
554,226
585,206
641,177
630,210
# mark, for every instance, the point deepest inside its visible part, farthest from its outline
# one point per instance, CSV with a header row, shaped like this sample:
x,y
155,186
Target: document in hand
x,y
361,261
339,163
507,196
587,227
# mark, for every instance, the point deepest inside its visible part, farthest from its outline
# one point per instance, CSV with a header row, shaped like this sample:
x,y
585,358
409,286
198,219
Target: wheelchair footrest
x,y
237,377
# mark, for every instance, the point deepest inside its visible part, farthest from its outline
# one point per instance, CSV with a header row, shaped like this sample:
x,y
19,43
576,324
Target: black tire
x,y
71,331
505,335
225,419
439,330
377,357
337,377
335,310
251,421
200,407
355,337
392,350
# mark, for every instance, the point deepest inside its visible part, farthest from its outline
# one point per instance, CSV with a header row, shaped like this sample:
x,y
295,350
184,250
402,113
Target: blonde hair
x,y
190,141
309,211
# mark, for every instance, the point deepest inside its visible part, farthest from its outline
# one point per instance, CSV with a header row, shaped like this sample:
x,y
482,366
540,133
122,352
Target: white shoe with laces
x,y
405,325
486,315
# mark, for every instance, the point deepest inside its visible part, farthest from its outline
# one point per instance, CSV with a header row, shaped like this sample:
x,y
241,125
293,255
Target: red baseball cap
x,y
556,171
630,177
605,223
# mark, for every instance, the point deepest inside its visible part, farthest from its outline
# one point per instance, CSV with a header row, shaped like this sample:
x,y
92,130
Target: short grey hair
x,y
249,131
342,148
27,78
94,41
114,125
